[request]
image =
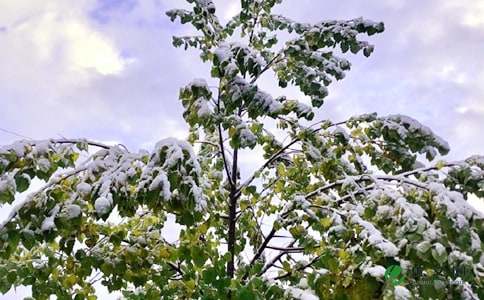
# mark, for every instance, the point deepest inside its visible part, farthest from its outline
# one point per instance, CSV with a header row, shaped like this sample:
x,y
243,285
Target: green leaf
x,y
7,196
209,275
245,293
22,181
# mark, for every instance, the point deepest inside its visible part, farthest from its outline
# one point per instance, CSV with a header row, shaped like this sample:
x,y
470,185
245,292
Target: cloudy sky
x,y
106,70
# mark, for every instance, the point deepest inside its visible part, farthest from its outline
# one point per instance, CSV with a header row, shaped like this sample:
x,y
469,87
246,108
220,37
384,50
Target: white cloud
x,y
90,50
472,11
69,41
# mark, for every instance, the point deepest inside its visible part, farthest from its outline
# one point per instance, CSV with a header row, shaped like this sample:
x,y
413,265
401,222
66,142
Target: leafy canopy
x,y
333,206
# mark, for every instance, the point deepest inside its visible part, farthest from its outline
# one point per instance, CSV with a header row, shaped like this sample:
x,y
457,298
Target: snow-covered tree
x,y
333,206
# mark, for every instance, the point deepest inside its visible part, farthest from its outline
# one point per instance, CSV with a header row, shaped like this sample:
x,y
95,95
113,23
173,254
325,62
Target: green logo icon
x,y
393,274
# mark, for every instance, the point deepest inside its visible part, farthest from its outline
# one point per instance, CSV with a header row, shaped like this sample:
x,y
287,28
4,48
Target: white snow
x,y
198,82
439,249
247,138
375,237
203,109
83,188
48,223
410,210
161,181
7,183
223,52
401,293
475,241
303,109
404,124
456,206
266,102
340,130
303,283
301,294
43,164
42,147
376,271
384,211
174,153
313,152
71,211
39,263
103,205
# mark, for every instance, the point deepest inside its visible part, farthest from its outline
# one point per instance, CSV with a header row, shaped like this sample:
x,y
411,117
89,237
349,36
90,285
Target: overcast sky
x,y
106,69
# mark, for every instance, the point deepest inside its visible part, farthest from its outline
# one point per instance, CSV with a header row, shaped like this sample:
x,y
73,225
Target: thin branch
x,y
280,236
175,268
404,180
368,177
255,22
30,197
281,254
261,249
15,134
263,246
267,163
207,143
286,249
269,64
426,169
222,148
75,141
314,260
275,156
231,243
273,261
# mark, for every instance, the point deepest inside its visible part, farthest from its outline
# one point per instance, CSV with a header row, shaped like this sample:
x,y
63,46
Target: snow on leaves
x,y
24,160
305,61
196,97
168,178
202,17
332,207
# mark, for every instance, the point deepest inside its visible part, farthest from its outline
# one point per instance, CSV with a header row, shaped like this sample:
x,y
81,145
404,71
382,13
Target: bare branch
x,y
314,260
275,156
30,197
426,169
255,22
286,249
269,64
75,141
368,177
273,261
260,250
222,148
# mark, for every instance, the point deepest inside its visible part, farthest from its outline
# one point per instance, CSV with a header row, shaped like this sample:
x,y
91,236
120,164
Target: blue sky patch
x,y
106,9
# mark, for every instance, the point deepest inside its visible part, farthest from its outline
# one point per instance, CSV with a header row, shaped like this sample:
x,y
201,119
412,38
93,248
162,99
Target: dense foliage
x,y
333,206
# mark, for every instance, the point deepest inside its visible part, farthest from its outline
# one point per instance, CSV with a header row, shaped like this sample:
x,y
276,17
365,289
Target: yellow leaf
x,y
326,222
55,274
440,164
190,285
343,254
164,253
243,204
203,228
70,280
